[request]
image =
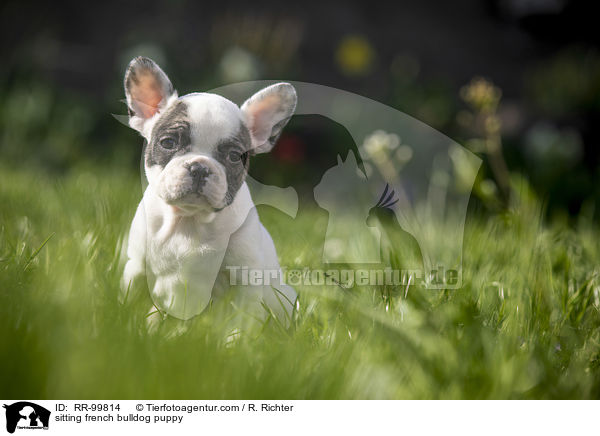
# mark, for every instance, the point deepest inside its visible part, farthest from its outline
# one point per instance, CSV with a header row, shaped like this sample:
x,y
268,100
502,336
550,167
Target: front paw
x,y
168,327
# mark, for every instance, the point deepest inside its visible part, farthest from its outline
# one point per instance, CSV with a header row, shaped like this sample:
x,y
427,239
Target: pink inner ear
x,y
147,94
261,116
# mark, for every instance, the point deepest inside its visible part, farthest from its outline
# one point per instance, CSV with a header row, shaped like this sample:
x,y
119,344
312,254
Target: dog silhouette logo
x,y
26,415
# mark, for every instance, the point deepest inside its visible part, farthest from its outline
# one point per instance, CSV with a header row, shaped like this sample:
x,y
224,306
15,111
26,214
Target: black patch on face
x,y
172,129
232,153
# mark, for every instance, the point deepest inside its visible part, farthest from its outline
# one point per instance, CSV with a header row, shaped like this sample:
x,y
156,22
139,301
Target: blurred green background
x,y
516,82
62,68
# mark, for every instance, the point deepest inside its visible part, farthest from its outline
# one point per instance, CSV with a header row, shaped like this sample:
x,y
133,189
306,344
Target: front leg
x,y
135,267
251,247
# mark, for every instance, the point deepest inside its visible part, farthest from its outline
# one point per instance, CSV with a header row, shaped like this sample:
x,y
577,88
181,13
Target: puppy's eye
x,y
168,143
234,156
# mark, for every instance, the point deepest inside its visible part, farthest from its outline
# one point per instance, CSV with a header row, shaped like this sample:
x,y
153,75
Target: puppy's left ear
x,y
267,112
148,91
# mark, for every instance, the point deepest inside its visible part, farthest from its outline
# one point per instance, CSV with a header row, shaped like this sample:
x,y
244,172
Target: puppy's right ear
x,y
148,91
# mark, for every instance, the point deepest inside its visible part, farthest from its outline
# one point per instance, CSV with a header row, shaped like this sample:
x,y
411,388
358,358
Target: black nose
x,y
199,173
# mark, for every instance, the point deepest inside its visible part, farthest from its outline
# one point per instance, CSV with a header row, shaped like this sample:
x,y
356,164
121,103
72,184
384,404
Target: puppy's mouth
x,y
191,202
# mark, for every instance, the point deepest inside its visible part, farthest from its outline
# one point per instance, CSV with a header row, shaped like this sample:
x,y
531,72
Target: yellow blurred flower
x,y
481,94
355,55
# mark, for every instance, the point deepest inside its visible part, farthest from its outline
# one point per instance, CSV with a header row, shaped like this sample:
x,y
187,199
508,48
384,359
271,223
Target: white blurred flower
x,y
404,153
238,65
379,144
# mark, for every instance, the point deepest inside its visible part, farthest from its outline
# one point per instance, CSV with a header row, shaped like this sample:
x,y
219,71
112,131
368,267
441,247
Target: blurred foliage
x,y
54,129
549,136
568,84
483,98
251,46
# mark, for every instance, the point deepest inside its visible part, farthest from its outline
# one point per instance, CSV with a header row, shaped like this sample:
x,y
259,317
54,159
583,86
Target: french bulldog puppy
x,y
197,222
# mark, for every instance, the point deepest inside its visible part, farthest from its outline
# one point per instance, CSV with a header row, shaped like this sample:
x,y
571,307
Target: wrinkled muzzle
x,y
194,181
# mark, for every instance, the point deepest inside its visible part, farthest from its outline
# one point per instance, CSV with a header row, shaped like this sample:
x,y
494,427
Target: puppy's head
x,y
198,146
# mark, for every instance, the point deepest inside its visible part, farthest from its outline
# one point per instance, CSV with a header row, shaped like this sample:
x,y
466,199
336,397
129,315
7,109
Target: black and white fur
x,y
197,216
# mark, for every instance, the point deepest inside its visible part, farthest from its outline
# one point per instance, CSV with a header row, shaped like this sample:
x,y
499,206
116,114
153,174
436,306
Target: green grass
x,y
525,324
